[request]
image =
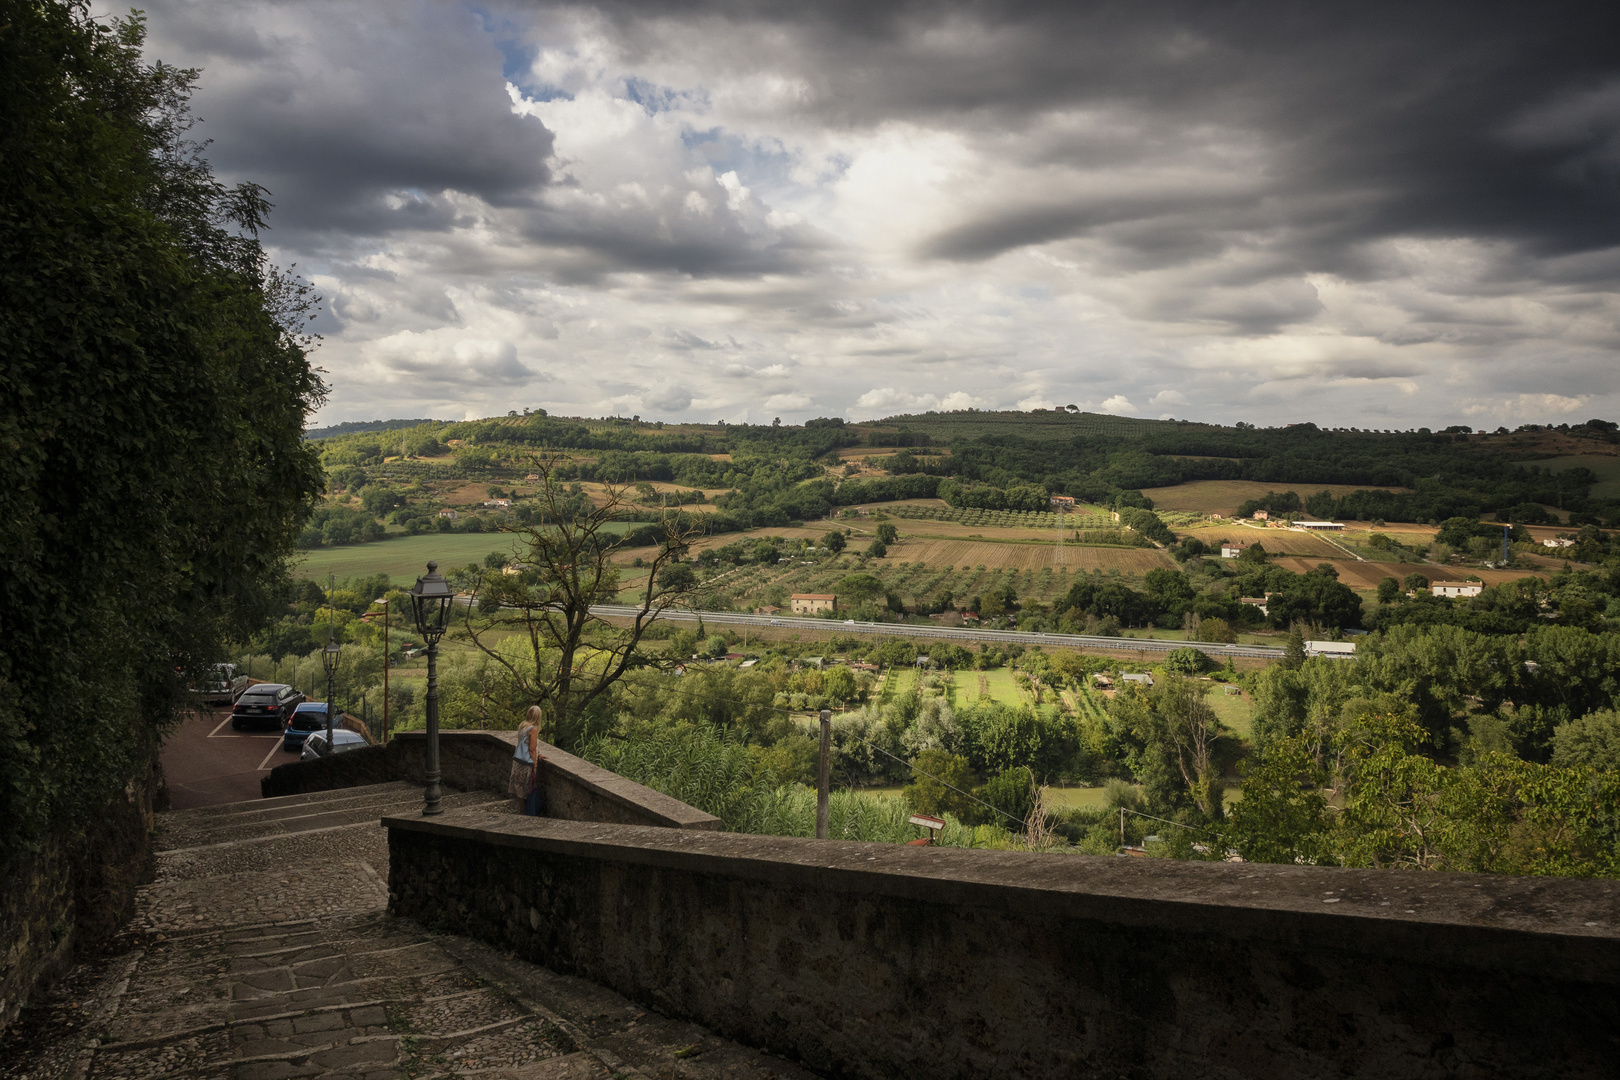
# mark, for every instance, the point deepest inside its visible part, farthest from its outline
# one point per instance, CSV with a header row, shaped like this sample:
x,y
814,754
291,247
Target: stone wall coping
x,y
599,781
1562,927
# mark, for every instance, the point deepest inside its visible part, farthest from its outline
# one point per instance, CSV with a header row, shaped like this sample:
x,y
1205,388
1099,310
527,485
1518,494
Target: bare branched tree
x,y
570,654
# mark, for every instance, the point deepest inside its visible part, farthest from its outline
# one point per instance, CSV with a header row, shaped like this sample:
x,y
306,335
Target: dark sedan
x,y
265,705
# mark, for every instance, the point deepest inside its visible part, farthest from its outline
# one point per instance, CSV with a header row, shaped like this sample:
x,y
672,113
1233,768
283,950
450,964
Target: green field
x,y
404,559
1234,710
998,682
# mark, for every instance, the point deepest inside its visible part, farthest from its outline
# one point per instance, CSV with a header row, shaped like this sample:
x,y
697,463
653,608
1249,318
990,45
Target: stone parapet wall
x,y
73,890
571,787
876,960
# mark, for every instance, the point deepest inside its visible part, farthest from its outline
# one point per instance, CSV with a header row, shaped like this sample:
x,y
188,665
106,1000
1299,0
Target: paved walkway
x,y
263,951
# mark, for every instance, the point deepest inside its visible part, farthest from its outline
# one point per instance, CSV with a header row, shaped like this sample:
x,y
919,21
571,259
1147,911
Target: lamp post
x,y
430,602
329,659
387,660
823,774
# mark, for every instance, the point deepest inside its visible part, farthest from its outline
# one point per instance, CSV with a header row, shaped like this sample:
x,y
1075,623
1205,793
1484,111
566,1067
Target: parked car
x,y
265,705
310,716
221,685
343,740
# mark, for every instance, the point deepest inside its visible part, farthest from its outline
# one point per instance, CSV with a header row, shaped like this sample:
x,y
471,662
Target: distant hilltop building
x,y
809,603
1320,526
1062,502
1457,588
1232,551
1262,515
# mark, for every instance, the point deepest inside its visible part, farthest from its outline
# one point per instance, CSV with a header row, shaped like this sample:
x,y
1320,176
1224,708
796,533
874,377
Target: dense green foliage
x,y
152,400
1397,808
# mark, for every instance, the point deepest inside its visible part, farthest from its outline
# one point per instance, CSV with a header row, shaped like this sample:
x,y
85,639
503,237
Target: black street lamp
x,y
430,601
329,660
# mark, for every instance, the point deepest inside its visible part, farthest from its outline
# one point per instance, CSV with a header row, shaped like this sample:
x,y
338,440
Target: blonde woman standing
x,y
523,783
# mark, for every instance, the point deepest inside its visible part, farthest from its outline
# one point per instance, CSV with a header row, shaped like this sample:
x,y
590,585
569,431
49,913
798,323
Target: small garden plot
x,y
1236,711
997,684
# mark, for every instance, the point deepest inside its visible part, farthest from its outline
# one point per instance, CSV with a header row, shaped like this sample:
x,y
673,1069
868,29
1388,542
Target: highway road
x,y
962,635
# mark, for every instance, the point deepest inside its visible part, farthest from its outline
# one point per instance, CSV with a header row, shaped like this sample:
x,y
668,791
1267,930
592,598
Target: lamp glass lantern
x,y
430,603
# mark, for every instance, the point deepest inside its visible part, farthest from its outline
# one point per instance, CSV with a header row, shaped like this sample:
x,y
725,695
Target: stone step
x,y
332,996
188,828
357,841
310,818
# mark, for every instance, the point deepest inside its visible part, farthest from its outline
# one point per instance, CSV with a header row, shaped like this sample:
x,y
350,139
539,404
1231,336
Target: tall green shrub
x,y
153,392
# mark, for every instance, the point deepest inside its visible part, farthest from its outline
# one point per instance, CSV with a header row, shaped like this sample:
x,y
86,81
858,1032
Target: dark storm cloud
x,y
688,205
354,125
1483,120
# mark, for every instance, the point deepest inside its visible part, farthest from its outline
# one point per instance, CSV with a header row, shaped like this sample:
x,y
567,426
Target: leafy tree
x,y
857,589
1283,816
1389,590
570,656
887,533
835,541
1593,741
1187,661
928,795
1216,630
677,577
839,684
877,549
1011,791
152,405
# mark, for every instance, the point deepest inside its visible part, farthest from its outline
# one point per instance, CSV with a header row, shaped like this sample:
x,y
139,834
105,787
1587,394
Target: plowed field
x,y
1225,496
942,552
1367,575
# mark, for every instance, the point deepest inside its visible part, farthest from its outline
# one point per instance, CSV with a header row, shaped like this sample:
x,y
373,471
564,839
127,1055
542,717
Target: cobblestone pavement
x,y
263,951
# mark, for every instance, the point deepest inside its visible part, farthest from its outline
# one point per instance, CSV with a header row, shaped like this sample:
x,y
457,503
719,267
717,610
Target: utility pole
x,y
386,663
823,774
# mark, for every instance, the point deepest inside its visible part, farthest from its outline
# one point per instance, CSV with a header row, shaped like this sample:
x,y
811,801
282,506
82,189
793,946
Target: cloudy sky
x,y
1358,214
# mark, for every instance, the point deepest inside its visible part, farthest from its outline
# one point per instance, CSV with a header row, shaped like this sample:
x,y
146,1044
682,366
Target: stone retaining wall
x,y
876,960
571,787
73,891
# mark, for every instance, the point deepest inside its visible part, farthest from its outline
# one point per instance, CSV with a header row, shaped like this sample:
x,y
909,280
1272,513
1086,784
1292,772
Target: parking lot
x,y
207,763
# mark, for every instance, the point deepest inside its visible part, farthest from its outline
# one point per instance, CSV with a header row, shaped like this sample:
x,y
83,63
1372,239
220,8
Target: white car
x,y
343,741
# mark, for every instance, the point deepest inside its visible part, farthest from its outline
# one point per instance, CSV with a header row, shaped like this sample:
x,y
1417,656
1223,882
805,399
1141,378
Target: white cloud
x,y
1524,408
1167,397
888,401
1036,401
1119,405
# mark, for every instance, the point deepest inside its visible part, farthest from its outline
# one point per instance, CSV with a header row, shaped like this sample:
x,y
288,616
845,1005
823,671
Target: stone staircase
x,y
263,951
